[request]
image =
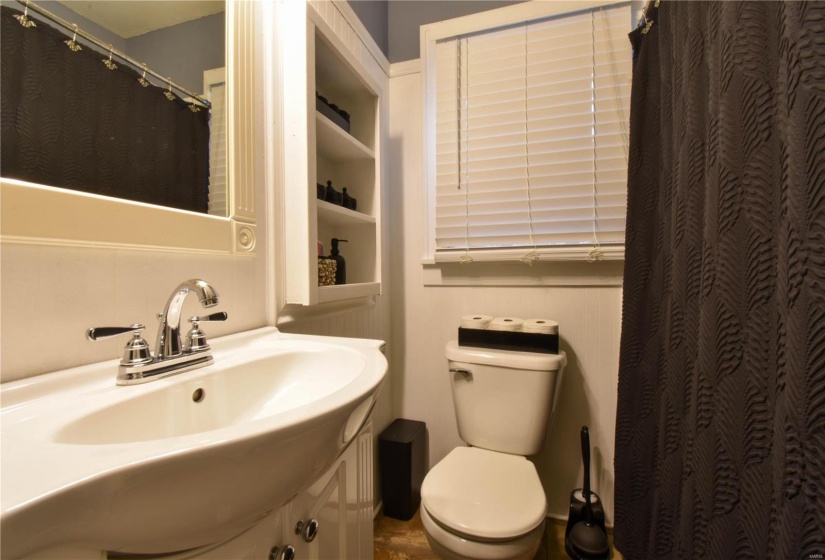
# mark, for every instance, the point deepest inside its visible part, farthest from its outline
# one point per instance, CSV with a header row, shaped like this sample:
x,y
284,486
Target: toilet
x,y
486,501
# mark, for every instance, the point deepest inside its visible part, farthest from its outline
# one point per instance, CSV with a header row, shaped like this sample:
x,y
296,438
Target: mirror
x,y
40,213
145,123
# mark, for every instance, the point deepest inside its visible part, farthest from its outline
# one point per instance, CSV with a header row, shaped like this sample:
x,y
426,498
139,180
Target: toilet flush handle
x,y
466,373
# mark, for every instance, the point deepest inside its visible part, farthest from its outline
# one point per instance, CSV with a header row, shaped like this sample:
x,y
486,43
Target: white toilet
x,y
486,501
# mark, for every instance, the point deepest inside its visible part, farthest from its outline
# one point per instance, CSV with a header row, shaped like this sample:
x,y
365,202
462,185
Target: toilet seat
x,y
450,546
484,495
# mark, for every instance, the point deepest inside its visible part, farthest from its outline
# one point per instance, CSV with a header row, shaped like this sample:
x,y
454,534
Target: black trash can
x,y
402,453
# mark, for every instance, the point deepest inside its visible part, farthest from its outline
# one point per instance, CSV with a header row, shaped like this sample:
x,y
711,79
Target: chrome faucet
x,y
172,354
169,342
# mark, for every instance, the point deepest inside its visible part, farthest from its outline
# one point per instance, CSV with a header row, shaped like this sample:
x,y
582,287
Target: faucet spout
x,y
169,340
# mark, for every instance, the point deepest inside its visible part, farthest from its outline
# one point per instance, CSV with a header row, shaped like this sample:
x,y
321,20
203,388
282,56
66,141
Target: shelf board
x,y
334,143
338,215
348,291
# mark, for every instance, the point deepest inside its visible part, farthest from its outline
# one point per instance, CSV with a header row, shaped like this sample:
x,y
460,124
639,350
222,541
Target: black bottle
x,y
332,196
341,270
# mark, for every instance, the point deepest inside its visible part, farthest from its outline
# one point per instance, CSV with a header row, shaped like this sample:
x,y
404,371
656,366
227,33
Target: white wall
x,y
424,318
50,295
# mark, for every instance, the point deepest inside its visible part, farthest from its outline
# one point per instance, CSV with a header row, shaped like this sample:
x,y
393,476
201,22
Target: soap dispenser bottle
x,y
341,264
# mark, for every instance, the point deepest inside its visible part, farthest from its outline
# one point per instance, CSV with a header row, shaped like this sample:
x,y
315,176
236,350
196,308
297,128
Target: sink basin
x,y
184,461
253,390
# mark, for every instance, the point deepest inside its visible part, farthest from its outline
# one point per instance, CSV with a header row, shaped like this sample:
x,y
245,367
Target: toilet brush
x,y
586,540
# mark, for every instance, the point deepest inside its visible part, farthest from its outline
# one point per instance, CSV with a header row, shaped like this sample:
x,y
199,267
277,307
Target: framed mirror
x,y
35,212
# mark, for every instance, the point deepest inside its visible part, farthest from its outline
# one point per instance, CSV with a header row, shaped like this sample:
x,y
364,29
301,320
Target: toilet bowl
x,y
483,504
486,502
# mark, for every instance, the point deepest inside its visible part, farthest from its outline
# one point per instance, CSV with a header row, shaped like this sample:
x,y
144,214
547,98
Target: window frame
x,y
478,23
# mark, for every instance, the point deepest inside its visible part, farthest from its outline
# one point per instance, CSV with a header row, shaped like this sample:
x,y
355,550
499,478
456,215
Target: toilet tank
x,y
504,400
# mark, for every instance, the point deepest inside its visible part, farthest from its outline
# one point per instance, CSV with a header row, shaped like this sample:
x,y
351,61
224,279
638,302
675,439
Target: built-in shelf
x,y
326,65
334,143
348,291
338,215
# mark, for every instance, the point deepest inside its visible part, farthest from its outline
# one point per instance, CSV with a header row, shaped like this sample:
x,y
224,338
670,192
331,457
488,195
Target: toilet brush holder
x,y
577,510
586,536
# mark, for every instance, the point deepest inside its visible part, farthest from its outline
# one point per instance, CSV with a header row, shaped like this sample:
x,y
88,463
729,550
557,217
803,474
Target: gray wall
x,y
406,16
183,51
394,24
375,17
71,16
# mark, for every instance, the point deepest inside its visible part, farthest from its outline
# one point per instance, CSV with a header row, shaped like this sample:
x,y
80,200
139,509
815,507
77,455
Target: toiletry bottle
x,y
341,270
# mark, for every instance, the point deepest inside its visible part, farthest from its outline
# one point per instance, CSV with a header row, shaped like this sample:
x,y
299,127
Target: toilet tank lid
x,y
505,358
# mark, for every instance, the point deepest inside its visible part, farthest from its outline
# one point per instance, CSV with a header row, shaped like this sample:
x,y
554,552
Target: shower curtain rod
x,y
112,51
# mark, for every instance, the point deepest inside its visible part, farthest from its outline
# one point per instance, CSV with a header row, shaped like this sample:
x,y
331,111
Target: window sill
x,y
559,267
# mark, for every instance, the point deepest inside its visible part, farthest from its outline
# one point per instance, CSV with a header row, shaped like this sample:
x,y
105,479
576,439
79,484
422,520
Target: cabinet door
x,y
254,544
341,502
325,502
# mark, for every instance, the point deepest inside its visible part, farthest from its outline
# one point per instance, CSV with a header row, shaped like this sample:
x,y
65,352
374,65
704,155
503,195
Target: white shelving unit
x,y
350,159
336,144
338,215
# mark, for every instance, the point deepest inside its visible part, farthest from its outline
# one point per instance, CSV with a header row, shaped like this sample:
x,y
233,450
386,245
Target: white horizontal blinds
x,y
217,150
555,92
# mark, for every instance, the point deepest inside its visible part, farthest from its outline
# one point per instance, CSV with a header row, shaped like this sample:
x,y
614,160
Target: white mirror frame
x,y
31,213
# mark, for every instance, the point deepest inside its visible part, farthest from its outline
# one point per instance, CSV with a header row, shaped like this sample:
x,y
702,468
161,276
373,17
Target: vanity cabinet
x,y
318,60
340,501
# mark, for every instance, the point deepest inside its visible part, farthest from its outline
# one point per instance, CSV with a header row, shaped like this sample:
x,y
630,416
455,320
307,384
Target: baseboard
x,y
378,507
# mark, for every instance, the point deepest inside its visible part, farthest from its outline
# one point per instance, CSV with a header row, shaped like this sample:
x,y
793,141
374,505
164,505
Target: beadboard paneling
x,y
424,318
50,295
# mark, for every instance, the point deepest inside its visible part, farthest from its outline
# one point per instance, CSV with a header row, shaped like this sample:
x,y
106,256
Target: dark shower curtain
x,y
720,430
68,121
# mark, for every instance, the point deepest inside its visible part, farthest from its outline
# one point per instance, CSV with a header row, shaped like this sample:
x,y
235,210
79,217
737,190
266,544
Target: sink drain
x,y
198,395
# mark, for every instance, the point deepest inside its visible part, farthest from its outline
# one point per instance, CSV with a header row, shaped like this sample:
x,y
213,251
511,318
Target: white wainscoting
x,y
51,294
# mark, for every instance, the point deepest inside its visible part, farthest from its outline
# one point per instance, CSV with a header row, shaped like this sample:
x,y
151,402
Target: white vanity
x,y
219,462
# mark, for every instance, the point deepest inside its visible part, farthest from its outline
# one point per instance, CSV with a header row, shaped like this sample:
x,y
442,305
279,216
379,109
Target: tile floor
x,y
405,540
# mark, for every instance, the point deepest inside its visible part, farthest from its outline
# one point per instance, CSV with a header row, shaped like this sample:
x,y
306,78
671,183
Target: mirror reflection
x,y
119,98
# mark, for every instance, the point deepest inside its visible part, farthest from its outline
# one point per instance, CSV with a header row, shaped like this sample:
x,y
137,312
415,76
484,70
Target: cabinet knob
x,y
285,553
310,530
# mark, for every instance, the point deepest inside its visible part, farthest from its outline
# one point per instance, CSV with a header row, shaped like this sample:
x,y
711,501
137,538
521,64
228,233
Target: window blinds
x,y
531,133
217,150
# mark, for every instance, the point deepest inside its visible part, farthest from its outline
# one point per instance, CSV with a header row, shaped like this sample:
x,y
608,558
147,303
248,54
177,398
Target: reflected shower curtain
x,y
69,121
720,432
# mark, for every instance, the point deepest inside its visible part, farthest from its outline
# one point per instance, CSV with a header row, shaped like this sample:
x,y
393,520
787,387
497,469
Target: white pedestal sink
x,y
184,461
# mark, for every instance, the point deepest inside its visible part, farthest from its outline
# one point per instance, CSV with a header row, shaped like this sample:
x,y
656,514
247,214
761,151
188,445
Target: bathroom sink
x,y
183,461
252,391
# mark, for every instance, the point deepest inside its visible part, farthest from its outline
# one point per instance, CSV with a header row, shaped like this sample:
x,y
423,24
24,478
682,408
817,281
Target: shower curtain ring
x,y
108,61
24,18
168,93
142,80
72,43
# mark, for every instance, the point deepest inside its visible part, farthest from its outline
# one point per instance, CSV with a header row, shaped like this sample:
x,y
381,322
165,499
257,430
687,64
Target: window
x,y
527,157
214,89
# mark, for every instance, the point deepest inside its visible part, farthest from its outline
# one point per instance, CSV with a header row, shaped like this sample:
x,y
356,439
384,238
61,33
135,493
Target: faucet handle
x,y
99,333
136,351
195,338
219,316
